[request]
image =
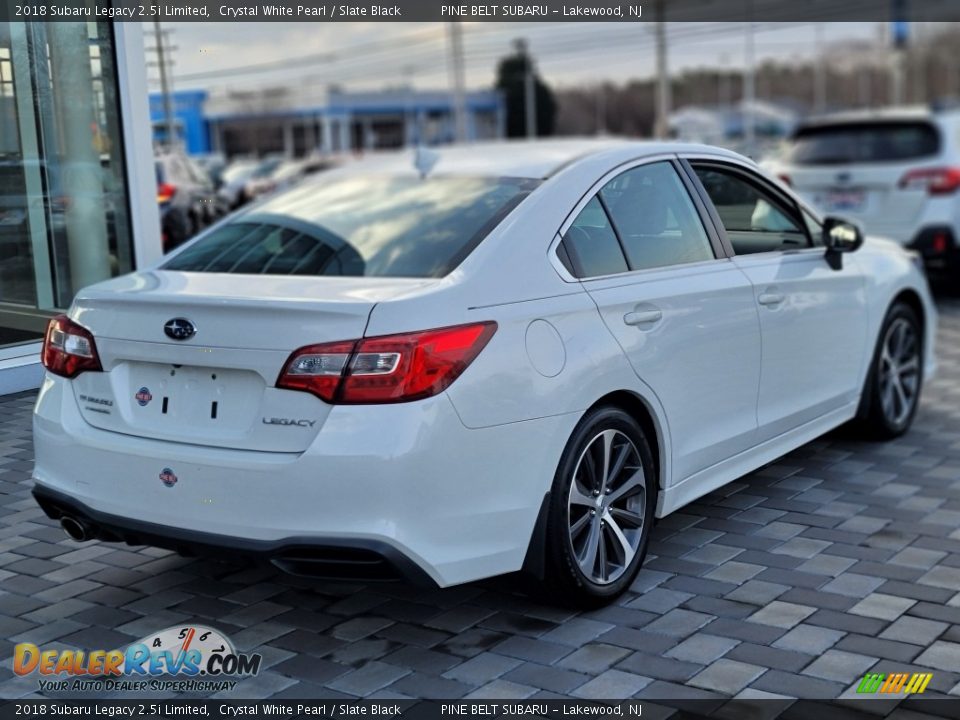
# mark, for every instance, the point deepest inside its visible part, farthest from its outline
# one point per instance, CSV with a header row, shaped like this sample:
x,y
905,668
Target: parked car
x,y
287,174
232,181
897,171
187,200
515,356
213,165
241,177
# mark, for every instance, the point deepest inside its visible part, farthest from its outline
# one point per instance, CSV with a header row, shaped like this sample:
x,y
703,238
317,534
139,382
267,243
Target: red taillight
x,y
68,348
386,369
940,243
165,192
936,181
785,179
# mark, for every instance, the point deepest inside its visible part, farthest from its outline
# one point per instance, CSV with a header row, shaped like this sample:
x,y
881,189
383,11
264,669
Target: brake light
x,y
936,181
386,369
165,192
69,349
785,179
940,243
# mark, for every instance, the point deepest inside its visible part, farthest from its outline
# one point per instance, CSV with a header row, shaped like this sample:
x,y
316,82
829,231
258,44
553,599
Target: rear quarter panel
x,y
551,355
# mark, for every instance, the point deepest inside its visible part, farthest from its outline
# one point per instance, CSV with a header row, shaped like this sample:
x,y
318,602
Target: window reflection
x,y
384,226
63,207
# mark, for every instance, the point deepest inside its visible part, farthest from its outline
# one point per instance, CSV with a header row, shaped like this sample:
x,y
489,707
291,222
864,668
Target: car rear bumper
x,y
332,558
406,480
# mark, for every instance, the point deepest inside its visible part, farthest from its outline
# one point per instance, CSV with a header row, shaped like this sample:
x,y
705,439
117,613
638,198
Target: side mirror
x,y
840,236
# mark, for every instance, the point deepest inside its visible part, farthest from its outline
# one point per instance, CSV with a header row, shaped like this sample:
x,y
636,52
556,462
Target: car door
x,y
813,314
682,313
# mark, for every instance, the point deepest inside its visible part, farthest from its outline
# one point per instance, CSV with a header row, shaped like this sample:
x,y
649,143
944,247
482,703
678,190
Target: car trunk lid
x,y
216,387
872,194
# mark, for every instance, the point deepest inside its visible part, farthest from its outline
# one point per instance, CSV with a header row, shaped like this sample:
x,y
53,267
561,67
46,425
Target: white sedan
x,y
513,356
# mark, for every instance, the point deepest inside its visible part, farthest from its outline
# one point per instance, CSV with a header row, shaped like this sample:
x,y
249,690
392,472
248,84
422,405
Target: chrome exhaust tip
x,y
75,529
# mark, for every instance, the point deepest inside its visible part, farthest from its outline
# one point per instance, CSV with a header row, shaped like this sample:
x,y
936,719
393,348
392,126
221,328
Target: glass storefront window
x,y
64,210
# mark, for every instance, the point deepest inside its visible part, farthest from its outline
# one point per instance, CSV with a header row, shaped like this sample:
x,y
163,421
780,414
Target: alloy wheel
x,y
899,371
606,506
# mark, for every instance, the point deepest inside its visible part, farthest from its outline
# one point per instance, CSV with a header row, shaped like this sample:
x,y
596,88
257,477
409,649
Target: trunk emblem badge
x,y
179,329
143,396
167,477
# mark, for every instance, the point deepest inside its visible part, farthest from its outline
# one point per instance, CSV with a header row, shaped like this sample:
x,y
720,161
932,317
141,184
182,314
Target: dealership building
x,y
297,123
77,185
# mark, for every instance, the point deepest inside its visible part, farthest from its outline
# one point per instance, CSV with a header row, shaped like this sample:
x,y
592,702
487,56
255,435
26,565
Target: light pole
x,y
820,76
165,89
529,89
457,82
749,91
662,124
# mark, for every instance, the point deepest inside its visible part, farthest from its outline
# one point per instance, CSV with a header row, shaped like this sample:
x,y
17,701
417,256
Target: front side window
x,y
360,226
754,219
814,228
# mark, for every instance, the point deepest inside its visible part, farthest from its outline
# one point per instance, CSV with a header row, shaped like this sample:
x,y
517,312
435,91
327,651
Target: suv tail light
x,y
936,181
68,348
165,192
386,369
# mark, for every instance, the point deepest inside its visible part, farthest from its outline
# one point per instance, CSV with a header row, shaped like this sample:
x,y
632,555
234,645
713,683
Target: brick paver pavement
x,y
840,559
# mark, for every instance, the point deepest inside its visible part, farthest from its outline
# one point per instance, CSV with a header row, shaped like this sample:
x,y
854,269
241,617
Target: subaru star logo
x,y
167,477
180,329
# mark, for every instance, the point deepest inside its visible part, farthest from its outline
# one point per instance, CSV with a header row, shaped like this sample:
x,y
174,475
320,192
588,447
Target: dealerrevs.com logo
x,y
190,658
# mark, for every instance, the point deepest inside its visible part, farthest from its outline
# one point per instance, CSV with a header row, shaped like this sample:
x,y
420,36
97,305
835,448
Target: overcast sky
x,y
376,55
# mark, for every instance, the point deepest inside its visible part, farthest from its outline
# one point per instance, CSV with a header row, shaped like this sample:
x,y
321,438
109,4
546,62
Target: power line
x,y
568,43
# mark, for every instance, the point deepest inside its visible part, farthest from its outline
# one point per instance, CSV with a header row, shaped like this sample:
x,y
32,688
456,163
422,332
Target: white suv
x,y
897,171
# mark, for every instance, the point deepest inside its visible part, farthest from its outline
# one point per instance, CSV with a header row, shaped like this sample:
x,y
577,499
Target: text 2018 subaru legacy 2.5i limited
x,y
500,357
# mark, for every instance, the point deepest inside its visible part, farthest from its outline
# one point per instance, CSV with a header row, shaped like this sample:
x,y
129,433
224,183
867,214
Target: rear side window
x,y
642,219
593,244
864,143
655,218
360,226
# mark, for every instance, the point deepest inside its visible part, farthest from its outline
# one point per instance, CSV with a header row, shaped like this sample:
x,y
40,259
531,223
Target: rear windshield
x,y
360,226
864,143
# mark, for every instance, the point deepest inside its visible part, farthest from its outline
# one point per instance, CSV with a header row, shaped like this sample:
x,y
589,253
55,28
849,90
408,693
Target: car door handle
x,y
770,298
643,317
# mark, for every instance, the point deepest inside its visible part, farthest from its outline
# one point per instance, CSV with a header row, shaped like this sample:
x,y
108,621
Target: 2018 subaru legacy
x,y
508,356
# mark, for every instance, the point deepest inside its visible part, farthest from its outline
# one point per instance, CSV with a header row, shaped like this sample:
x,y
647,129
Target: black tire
x,y
175,228
564,576
878,418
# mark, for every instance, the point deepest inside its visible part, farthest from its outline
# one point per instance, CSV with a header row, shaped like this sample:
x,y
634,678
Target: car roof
x,y
887,114
520,158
